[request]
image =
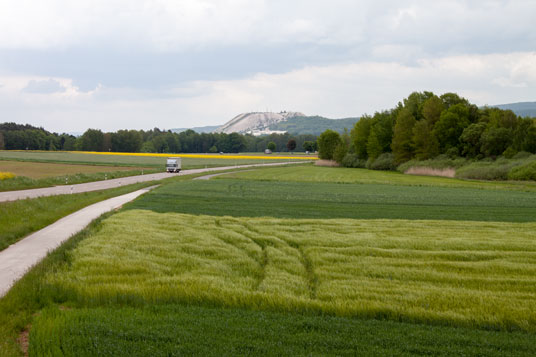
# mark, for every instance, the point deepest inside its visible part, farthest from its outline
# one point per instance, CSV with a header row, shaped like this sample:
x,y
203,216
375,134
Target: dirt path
x,y
18,258
104,185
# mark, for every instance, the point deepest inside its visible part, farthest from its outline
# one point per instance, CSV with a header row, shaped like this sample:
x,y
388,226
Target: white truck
x,y
173,164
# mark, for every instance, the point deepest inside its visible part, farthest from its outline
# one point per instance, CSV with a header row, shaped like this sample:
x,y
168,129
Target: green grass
x,y
124,160
310,173
23,183
253,198
473,274
22,217
180,330
174,273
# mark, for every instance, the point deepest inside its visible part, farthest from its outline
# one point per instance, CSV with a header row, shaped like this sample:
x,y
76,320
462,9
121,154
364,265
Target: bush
x,y
440,162
522,155
352,160
523,173
384,162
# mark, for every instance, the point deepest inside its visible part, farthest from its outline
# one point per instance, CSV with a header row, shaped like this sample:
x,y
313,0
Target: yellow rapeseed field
x,y
6,175
198,156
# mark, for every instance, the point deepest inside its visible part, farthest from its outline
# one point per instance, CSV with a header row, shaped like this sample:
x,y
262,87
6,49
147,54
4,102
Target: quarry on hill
x,y
257,123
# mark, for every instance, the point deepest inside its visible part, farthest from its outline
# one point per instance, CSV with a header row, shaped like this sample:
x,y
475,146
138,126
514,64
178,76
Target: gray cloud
x,y
44,87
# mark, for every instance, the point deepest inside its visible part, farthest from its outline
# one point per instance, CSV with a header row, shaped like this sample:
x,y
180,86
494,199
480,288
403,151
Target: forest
x,y
26,137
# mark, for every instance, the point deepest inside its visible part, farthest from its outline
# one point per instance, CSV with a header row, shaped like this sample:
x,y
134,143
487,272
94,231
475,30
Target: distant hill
x,y
256,123
523,109
264,123
199,129
313,125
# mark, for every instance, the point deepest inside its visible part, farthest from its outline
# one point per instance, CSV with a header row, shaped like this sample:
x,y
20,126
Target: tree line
x,y
26,137
424,126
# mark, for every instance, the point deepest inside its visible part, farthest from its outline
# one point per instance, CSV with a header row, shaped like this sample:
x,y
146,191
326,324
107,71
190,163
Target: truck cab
x,y
173,164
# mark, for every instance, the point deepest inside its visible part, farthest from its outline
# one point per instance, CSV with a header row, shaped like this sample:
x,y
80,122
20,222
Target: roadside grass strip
x,y
453,273
22,217
191,330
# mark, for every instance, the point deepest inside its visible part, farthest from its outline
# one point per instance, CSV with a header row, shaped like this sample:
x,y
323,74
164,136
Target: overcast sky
x,y
72,65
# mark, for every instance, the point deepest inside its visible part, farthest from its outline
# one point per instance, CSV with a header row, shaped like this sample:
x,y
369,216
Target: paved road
x,y
103,185
18,258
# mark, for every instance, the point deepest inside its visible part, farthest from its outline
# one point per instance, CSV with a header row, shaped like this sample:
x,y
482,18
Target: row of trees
x,y
26,137
424,126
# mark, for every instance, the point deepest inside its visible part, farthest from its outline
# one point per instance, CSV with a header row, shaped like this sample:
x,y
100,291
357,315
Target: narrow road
x,y
18,258
104,185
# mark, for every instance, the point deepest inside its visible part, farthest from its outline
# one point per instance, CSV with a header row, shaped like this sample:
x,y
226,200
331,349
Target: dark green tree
x,y
271,146
431,110
92,140
327,142
403,137
374,147
360,134
471,139
309,146
425,143
450,126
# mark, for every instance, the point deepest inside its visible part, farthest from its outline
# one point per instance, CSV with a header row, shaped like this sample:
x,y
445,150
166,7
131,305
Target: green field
x,y
252,198
309,173
450,273
299,261
127,160
176,330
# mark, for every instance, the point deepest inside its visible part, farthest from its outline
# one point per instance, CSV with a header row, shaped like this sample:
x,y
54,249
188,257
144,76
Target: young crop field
x,y
253,198
451,273
300,261
363,176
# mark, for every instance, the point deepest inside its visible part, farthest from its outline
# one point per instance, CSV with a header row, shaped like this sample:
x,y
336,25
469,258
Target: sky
x,y
126,64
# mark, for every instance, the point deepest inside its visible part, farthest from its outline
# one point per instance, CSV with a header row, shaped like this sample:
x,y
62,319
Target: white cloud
x,y
334,91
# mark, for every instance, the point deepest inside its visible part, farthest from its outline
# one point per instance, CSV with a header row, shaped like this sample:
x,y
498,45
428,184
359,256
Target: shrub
x,y
353,160
384,162
523,173
440,162
522,155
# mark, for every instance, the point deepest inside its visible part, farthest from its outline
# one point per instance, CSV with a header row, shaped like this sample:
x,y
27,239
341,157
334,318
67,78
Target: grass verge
x,y
23,183
22,217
